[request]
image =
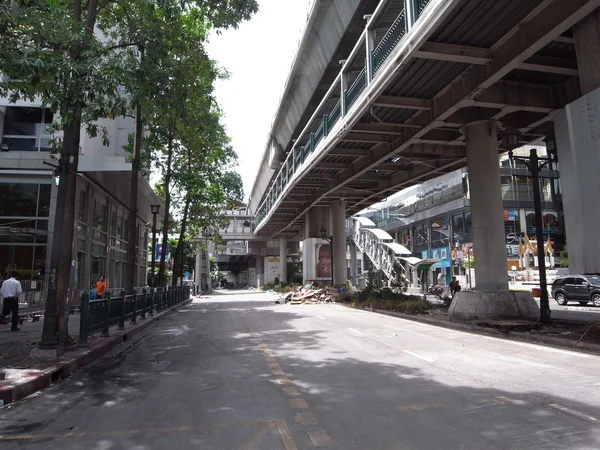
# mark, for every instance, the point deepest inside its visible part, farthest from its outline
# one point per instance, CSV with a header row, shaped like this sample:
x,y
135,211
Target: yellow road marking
x,y
131,432
274,366
320,438
270,359
290,391
278,372
418,407
256,436
306,418
297,403
286,436
283,380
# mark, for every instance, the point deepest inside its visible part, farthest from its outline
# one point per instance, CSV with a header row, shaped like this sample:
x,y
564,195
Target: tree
x,y
67,53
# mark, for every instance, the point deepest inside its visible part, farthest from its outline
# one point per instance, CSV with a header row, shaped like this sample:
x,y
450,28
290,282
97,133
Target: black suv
x,y
577,288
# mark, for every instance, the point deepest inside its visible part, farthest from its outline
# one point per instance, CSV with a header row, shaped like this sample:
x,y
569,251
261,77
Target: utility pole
x,y
535,166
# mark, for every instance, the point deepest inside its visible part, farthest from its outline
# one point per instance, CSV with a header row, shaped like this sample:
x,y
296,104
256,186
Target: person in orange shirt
x,y
100,287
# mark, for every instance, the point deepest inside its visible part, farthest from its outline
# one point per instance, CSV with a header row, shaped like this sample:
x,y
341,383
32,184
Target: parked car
x,y
577,288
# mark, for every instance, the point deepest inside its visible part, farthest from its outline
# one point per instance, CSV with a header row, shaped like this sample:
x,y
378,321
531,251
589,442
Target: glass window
x,y
25,129
20,121
468,223
44,200
100,213
20,144
439,232
20,199
83,206
458,224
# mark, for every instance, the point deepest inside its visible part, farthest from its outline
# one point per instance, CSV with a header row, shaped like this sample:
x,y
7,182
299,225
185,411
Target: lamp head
x,y
323,233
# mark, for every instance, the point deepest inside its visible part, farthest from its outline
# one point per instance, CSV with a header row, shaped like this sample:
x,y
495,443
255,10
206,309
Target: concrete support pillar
x,y
353,264
587,45
486,205
578,149
260,271
338,231
283,254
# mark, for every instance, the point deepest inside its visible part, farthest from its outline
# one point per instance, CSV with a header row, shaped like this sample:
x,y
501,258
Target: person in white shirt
x,y
10,291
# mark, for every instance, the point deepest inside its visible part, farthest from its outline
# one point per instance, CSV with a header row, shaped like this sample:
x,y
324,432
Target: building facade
x,y
28,192
433,220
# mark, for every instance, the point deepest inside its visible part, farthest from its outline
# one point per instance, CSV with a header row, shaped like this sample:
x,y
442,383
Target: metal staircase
x,y
378,245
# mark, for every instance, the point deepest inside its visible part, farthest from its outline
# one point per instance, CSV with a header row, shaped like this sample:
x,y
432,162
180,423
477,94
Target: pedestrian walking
x,y
100,287
454,286
10,291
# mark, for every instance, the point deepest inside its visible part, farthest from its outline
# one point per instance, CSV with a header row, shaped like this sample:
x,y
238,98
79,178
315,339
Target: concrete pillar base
x,y
475,305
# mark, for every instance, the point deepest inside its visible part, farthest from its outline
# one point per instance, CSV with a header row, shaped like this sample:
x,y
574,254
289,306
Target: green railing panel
x,y
116,303
335,114
418,7
389,41
319,134
356,88
96,315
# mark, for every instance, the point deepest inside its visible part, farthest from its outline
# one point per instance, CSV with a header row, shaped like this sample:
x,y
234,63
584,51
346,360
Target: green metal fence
x,y
389,41
100,314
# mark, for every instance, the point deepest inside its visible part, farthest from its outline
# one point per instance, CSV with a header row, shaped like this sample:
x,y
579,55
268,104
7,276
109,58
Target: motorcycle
x,y
436,290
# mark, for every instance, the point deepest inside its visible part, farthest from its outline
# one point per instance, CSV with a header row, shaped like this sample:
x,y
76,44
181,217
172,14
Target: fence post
x,y
152,295
135,302
106,327
168,299
84,319
158,299
145,296
123,306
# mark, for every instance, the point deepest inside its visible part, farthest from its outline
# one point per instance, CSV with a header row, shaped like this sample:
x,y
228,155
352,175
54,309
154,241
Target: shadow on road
x,y
208,361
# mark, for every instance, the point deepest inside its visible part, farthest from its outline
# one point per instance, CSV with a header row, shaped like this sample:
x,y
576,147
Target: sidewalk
x,y
24,375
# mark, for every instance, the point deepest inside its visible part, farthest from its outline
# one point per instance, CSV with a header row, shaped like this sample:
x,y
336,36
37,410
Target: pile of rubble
x,y
306,294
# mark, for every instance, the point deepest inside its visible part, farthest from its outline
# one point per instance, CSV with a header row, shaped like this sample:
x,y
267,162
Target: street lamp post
x,y
535,164
323,234
154,209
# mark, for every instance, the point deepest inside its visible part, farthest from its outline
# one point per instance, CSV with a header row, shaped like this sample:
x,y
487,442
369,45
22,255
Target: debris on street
x,y
307,295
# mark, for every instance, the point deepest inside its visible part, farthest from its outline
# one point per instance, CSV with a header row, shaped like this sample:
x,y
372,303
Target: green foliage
x,y
406,304
469,263
398,281
565,257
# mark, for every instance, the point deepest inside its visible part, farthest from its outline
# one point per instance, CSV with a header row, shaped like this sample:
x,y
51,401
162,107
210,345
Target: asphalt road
x,y
239,372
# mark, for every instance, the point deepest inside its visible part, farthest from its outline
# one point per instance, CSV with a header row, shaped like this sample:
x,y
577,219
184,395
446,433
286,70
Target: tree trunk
x,y
72,135
178,264
165,241
132,234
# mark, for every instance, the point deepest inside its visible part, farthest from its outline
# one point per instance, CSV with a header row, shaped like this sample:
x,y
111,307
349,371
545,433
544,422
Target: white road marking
x,y
573,412
322,318
538,347
419,356
358,332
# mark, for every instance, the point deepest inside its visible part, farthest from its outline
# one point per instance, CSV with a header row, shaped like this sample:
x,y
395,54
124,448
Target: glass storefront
x,y
24,211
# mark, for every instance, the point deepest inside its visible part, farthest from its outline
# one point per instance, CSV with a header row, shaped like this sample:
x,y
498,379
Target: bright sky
x,y
258,56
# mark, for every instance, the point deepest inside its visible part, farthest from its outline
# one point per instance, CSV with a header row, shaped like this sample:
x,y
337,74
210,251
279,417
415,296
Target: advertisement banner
x,y
323,261
158,252
272,268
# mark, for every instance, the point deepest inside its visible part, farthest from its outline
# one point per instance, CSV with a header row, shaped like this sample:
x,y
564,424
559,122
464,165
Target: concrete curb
x,y
43,374
474,329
